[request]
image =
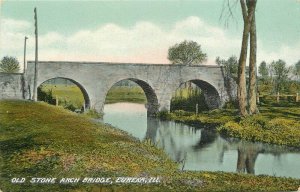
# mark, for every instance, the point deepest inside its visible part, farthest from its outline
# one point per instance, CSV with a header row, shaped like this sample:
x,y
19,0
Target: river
x,y
202,149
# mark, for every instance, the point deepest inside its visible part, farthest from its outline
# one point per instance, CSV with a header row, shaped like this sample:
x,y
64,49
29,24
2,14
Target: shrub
x,y
258,128
188,103
163,115
93,114
231,105
45,96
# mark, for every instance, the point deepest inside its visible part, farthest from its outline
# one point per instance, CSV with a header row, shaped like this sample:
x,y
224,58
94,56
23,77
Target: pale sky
x,y
141,31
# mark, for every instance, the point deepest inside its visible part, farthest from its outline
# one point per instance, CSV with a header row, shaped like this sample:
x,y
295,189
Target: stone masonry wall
x,y
10,86
159,81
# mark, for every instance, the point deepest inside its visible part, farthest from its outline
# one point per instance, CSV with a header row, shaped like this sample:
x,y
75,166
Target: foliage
x,y
46,96
209,117
279,130
230,66
263,70
92,113
278,78
163,115
9,65
230,105
296,70
188,100
67,104
281,74
187,53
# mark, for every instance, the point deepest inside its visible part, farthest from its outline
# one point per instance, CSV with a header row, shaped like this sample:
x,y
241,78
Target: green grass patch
x,y
72,95
216,116
39,140
274,125
282,127
66,94
126,94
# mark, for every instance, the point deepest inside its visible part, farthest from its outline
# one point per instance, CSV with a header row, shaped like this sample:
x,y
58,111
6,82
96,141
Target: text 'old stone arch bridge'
x,y
159,81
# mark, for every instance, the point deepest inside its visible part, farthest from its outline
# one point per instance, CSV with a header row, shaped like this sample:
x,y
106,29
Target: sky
x,y
141,31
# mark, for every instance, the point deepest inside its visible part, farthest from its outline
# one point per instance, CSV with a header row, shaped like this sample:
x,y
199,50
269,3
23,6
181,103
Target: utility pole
x,y
24,66
34,97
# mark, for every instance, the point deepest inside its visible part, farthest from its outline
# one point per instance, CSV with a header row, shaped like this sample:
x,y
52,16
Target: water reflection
x,y
247,155
203,149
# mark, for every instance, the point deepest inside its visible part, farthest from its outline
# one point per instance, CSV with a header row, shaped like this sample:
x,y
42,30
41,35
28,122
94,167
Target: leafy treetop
x,y
187,53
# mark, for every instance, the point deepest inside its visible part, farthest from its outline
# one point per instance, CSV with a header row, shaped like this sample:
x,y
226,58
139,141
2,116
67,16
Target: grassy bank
x,y
275,125
39,140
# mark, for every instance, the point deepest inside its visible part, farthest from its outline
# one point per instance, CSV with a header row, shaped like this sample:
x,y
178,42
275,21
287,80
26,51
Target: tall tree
x,y
263,70
252,62
230,66
248,9
296,70
9,65
187,53
281,73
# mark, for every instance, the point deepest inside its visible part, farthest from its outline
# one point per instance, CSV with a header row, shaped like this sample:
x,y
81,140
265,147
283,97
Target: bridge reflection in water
x,y
203,149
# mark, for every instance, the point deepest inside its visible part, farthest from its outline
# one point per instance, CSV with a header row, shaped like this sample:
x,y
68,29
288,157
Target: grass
x,y
72,94
66,93
39,140
275,125
126,94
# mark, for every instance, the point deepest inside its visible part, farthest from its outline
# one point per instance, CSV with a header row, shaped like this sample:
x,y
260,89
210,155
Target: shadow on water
x,y
204,149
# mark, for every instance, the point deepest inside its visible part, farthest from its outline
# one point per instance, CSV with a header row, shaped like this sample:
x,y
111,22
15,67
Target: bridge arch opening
x,y
195,95
65,92
134,91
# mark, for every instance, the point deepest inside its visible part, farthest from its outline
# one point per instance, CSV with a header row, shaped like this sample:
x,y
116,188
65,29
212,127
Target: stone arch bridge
x,y
159,81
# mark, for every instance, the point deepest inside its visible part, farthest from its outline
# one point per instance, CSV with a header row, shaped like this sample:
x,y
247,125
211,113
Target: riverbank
x,y
39,140
274,125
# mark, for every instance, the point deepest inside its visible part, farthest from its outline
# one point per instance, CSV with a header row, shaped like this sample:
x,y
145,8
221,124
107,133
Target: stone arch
x,y
212,96
86,97
152,101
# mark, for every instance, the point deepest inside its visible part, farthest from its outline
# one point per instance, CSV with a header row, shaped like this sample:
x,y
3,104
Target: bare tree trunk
x,y
241,90
252,69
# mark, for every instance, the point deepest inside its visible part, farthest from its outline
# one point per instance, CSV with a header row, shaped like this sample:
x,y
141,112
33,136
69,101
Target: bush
x,y
258,128
93,114
45,96
163,115
188,103
182,113
231,105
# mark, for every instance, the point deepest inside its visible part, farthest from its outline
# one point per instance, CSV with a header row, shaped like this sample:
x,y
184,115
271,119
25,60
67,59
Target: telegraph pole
x,y
24,65
34,97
